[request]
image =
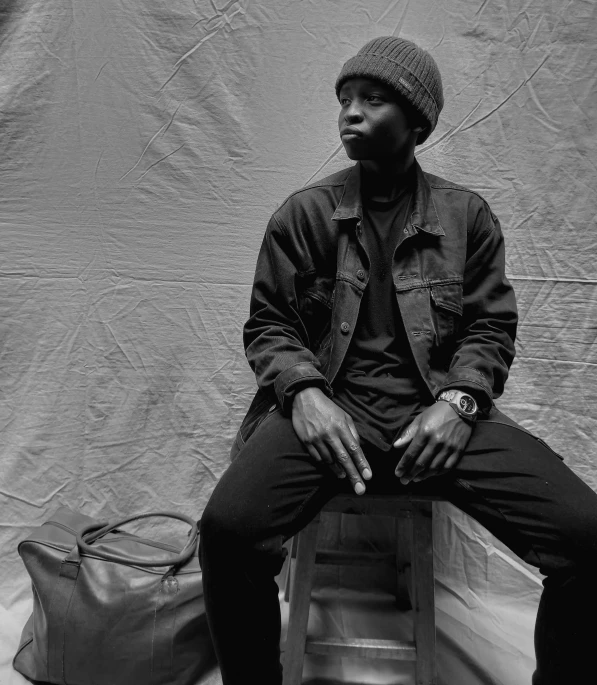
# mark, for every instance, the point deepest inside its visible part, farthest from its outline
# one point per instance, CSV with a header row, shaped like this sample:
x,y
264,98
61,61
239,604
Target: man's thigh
x,y
273,487
522,491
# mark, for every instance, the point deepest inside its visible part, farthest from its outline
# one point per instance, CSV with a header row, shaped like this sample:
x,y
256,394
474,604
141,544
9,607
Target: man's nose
x,y
353,113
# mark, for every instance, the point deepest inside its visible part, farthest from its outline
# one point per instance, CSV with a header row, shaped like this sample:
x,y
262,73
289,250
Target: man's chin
x,y
355,155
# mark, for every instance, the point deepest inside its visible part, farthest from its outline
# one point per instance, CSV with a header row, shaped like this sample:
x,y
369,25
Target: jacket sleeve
x,y
485,346
275,336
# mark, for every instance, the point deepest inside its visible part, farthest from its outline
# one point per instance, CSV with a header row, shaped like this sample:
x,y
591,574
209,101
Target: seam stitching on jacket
x,y
453,186
472,368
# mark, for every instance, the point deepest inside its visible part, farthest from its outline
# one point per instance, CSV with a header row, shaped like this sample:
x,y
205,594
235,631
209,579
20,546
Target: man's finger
x,y
330,461
354,450
407,435
336,470
322,449
422,463
410,456
353,428
429,473
344,459
453,459
440,465
358,459
432,466
313,452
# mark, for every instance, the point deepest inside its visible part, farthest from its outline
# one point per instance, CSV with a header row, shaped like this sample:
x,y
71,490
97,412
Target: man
x,y
381,330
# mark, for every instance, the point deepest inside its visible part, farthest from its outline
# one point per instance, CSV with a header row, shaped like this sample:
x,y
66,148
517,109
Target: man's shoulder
x,y
325,189
455,201
336,179
441,184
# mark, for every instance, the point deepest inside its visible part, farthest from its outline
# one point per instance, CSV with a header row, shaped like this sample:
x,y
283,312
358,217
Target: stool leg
x,y
403,563
300,598
291,556
423,585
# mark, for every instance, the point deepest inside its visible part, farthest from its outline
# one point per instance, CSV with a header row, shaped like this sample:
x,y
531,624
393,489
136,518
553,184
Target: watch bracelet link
x,y
463,404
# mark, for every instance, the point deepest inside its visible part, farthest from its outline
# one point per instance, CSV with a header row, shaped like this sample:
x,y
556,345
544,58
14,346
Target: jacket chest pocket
x,y
446,311
315,305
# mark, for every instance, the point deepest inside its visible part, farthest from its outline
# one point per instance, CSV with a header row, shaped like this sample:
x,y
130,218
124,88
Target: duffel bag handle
x,y
89,534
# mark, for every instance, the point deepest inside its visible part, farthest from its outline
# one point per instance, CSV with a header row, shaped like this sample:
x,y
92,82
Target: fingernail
x,y
405,480
359,488
367,474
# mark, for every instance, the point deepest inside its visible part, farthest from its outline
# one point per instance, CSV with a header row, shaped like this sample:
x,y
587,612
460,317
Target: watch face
x,y
468,404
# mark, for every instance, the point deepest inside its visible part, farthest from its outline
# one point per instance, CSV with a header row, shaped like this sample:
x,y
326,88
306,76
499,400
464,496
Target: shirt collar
x,y
424,216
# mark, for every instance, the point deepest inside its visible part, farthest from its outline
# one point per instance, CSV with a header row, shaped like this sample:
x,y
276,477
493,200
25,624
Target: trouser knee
x,y
227,536
219,535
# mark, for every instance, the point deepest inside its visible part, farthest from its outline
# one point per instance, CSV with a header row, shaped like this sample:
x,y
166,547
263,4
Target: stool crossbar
x,y
413,560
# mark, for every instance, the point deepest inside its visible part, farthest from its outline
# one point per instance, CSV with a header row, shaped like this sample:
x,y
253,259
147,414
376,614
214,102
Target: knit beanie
x,y
404,66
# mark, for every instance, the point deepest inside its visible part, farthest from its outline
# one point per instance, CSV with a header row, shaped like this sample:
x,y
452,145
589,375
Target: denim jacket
x,y
456,303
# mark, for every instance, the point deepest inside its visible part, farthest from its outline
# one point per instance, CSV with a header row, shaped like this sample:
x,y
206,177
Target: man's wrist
x,y
306,390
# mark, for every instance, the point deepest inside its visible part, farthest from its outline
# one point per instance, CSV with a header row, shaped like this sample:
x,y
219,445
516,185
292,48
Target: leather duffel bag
x,y
111,608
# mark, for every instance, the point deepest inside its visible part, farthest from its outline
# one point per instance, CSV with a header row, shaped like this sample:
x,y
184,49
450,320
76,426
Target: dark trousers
x,y
509,481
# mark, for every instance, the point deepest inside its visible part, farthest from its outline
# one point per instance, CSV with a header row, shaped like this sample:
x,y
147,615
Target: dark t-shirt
x,y
379,384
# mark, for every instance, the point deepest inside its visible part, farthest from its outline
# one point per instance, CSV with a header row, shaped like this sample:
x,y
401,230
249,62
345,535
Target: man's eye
x,y
344,101
374,98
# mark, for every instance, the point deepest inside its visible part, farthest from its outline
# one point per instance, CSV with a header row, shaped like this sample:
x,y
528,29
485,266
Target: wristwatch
x,y
462,403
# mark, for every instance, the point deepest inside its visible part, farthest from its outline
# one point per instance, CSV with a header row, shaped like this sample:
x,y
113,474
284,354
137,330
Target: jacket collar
x,y
424,216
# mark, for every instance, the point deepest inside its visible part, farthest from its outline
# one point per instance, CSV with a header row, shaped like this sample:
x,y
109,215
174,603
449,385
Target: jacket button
x,y
361,275
345,327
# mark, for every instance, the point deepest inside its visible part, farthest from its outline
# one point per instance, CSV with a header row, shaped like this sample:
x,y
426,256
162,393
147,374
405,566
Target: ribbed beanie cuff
x,y
404,66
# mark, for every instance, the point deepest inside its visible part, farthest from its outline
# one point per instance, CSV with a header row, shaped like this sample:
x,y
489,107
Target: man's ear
x,y
421,133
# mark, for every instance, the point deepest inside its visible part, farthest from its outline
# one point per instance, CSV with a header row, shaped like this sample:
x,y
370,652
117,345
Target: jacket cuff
x,y
295,378
472,381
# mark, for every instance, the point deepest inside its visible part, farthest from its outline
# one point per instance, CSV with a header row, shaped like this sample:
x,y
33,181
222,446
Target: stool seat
x,y
413,560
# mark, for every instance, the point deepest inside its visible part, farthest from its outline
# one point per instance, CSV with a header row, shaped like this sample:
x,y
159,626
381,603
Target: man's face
x,y
372,124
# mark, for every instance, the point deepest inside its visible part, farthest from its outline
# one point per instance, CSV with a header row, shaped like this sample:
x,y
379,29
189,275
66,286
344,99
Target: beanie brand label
x,y
405,83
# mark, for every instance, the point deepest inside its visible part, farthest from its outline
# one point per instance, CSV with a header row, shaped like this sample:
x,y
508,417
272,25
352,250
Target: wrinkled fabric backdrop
x,y
144,147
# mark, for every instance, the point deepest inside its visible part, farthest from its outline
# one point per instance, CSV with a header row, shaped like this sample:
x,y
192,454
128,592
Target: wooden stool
x,y
414,517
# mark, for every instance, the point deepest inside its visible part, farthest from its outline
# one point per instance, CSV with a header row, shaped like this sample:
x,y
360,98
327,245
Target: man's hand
x,y
435,439
329,434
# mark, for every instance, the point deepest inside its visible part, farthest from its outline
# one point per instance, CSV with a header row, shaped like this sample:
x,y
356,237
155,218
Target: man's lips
x,y
349,131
